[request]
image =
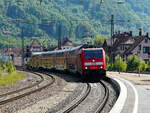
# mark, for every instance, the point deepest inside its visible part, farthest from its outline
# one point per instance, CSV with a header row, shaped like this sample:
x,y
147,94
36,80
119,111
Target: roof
x,y
57,51
15,51
129,41
35,42
108,41
122,40
93,49
63,50
138,40
66,42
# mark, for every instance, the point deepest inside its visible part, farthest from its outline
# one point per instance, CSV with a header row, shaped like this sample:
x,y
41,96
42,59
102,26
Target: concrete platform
x,y
144,98
138,92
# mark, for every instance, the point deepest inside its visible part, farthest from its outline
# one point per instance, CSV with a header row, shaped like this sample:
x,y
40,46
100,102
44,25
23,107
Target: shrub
x,y
7,66
108,66
1,61
143,66
148,68
107,59
3,66
10,67
133,63
123,65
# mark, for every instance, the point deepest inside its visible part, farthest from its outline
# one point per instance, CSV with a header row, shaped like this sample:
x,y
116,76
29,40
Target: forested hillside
x,y
77,18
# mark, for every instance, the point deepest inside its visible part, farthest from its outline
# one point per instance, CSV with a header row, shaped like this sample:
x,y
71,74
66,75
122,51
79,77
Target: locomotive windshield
x,y
88,54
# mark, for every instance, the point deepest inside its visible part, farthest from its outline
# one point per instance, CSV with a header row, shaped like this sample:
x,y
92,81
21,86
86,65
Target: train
x,y
89,62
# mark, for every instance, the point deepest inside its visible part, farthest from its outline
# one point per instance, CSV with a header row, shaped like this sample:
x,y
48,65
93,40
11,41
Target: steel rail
x,y
101,106
80,100
103,103
28,93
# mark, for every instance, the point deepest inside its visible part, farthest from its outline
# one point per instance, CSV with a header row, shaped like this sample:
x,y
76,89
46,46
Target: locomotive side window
x,y
88,54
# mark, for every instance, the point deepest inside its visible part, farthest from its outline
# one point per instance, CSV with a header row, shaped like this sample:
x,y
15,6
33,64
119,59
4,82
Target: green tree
x,y
133,63
99,40
10,67
83,30
86,16
143,66
108,66
3,66
148,68
7,66
119,64
107,59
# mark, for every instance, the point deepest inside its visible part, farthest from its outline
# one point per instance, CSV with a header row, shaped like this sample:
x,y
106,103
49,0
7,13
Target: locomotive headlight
x,y
86,68
101,67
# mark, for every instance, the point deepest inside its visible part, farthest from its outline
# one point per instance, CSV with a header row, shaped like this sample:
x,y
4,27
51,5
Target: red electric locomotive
x,y
93,62
89,62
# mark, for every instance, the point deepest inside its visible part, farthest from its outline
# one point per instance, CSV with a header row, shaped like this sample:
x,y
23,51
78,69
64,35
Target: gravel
x,y
69,99
91,103
13,106
55,97
46,99
113,95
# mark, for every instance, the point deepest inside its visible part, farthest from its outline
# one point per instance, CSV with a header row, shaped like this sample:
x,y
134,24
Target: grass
x,y
10,78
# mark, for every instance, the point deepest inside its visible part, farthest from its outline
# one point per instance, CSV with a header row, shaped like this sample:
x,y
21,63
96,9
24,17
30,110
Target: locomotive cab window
x,y
88,54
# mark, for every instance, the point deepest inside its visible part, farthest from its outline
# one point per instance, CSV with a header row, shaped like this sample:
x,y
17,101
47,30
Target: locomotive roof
x,y
92,48
85,47
57,51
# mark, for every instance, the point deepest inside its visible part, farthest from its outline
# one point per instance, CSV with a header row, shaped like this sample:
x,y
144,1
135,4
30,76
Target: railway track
x,y
11,96
80,100
101,105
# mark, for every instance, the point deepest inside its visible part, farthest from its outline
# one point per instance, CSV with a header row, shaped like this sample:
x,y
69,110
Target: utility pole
x,y
112,29
22,38
71,30
7,32
119,62
112,38
59,37
139,64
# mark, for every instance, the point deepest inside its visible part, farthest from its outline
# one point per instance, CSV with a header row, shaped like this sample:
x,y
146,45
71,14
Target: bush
x,y
1,62
3,66
123,65
143,66
133,63
107,59
108,66
10,67
148,68
7,66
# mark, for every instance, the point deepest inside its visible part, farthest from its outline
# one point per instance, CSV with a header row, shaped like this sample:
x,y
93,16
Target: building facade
x,y
65,44
124,45
14,54
35,46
